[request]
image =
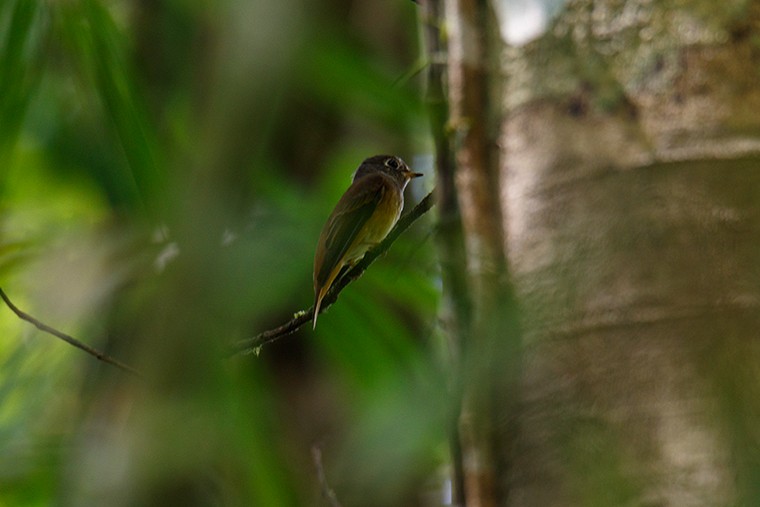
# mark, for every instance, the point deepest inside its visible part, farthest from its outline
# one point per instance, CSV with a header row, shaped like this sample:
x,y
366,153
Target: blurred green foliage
x,y
165,168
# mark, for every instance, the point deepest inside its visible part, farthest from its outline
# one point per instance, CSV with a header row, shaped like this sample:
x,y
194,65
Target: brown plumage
x,y
364,215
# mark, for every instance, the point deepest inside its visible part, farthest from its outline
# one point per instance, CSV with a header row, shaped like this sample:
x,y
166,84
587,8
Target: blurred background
x,y
165,170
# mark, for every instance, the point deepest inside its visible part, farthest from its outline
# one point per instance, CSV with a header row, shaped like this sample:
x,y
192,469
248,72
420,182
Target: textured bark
x,y
482,228
630,184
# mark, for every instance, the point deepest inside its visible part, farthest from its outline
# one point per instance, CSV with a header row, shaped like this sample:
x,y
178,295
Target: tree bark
x,y
629,191
488,342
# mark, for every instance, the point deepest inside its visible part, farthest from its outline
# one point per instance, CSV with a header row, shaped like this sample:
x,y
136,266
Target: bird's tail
x,y
321,292
317,304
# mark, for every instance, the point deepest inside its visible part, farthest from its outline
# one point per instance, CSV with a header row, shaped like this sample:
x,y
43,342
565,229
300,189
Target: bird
x,y
364,215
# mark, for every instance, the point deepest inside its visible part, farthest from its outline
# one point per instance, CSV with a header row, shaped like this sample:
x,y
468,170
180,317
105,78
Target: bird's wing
x,y
351,213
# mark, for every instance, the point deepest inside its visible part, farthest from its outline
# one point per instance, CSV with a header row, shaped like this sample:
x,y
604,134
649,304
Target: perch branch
x,y
252,344
63,336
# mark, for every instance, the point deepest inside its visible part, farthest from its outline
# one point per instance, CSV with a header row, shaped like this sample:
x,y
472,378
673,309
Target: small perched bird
x,y
364,215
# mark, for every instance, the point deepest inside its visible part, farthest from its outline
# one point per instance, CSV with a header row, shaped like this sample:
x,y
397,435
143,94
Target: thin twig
x,y
327,491
63,336
253,344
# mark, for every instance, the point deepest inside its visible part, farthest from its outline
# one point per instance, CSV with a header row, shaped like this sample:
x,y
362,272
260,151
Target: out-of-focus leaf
x,y
366,339
339,73
252,423
12,253
34,387
21,38
100,49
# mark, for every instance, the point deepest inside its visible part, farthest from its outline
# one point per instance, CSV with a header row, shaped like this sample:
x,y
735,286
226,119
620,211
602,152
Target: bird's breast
x,y
381,222
385,216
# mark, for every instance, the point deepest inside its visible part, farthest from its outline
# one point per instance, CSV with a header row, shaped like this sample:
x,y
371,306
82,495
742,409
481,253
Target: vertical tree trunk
x,y
487,334
630,183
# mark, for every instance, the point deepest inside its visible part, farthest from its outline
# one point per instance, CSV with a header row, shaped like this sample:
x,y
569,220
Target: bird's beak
x,y
412,175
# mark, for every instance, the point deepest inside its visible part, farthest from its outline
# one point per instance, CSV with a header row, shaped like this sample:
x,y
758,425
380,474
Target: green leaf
x,y
20,70
100,51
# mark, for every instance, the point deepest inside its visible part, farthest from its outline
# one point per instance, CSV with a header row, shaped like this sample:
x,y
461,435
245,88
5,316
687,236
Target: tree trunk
x,y
629,188
487,335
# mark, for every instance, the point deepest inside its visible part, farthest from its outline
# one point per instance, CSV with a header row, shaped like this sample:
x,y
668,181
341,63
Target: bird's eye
x,y
392,163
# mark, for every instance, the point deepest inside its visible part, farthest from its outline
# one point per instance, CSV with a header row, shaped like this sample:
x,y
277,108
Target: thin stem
x,y
67,338
327,491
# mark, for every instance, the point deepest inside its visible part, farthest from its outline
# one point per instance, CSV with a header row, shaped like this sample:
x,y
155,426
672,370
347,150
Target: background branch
x,y
327,491
63,336
253,344
456,310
